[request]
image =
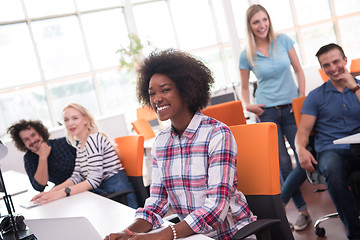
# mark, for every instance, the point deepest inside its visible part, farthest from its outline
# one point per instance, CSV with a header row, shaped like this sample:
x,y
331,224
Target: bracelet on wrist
x,y
172,227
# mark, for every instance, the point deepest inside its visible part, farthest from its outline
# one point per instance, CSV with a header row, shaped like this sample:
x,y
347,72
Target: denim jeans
x,y
291,178
335,165
116,183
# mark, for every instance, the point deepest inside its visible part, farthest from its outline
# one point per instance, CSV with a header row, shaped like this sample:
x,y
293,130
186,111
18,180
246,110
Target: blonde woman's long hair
x,y
90,123
250,46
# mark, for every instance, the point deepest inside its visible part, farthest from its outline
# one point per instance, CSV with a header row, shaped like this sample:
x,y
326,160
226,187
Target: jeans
x,y
116,183
291,178
335,165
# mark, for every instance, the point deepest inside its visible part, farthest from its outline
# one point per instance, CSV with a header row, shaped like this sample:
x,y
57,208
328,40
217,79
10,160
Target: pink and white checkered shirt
x,y
196,173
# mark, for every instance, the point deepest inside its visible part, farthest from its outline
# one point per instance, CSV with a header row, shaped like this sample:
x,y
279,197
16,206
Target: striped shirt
x,y
96,162
196,173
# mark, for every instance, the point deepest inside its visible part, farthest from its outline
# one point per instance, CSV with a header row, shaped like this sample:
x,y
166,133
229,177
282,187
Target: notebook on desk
x,y
73,228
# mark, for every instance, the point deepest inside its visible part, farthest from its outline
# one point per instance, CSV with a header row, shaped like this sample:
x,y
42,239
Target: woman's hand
x,y
46,197
257,109
118,236
126,234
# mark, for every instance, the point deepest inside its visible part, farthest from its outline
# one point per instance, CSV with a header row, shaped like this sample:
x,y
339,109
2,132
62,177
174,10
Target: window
x,y
54,52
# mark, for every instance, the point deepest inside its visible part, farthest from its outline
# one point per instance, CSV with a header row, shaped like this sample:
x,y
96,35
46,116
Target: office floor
x,y
319,204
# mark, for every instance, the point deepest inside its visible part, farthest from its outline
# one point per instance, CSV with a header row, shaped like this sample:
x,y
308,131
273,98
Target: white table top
x,y
106,216
355,138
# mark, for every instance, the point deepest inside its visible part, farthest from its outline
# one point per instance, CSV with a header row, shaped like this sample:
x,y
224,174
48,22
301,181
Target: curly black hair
x,y
16,128
190,75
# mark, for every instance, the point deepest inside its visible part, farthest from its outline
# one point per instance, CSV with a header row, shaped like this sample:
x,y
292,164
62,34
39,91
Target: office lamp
x,y
13,221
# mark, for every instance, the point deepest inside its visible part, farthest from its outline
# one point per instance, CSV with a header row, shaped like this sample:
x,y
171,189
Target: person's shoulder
x,y
58,140
284,39
29,155
97,137
213,123
243,60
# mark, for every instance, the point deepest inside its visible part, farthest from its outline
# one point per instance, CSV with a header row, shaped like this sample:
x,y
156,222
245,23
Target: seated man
x,y
45,160
333,111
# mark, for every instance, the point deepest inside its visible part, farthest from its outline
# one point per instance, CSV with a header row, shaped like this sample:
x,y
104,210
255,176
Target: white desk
x,y
107,216
355,138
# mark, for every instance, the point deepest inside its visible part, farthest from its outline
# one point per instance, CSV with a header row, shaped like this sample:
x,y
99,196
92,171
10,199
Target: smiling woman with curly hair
x,y
191,77
194,160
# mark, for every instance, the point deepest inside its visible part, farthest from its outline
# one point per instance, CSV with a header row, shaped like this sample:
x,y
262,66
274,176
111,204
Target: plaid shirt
x,y
61,162
196,174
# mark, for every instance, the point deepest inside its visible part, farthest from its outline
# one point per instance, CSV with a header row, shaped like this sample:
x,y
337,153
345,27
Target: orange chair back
x,y
297,104
143,127
355,67
146,113
323,75
231,113
257,158
131,151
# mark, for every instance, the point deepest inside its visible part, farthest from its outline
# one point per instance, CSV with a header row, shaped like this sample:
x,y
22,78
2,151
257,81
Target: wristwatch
x,y
356,88
67,191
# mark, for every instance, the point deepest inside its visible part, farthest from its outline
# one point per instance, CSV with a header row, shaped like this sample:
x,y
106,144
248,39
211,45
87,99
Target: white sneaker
x,y
301,222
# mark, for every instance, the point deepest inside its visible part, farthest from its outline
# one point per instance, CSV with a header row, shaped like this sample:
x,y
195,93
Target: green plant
x,y
131,55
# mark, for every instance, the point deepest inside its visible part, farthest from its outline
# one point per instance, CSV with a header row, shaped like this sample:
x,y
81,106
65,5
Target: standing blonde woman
x,y
269,57
97,166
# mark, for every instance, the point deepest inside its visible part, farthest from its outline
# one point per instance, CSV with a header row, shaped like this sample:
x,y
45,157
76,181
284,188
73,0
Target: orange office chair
x,y
355,67
148,114
231,113
131,151
323,75
259,178
143,127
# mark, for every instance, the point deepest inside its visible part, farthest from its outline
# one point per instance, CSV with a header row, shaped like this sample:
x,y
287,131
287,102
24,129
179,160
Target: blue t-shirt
x,y
338,115
276,84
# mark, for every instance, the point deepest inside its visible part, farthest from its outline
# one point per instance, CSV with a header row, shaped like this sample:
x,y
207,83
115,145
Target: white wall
x,y
312,78
114,126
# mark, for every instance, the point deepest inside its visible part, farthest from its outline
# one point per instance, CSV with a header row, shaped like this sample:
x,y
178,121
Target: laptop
x,y
73,228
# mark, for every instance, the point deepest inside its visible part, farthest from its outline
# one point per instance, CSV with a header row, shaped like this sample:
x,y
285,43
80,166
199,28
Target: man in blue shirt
x,y
333,111
45,160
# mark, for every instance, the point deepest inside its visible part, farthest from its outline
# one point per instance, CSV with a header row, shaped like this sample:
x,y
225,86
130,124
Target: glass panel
x,y
29,103
350,36
17,59
76,91
221,20
319,10
212,60
115,82
61,47
104,32
84,5
314,38
11,10
232,64
152,21
40,8
196,30
280,13
239,8
346,6
293,37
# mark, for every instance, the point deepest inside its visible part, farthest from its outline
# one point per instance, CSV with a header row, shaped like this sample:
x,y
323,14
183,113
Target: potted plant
x,y
131,55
